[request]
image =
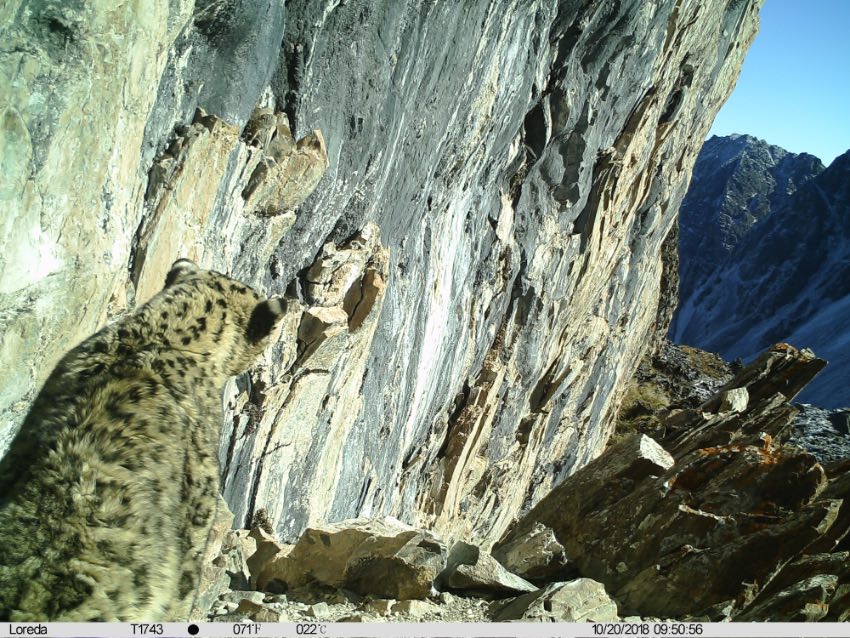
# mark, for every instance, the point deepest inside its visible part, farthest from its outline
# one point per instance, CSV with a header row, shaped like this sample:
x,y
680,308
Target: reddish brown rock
x,y
729,528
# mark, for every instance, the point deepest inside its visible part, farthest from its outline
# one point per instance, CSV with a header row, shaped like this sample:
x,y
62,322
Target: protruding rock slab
x,y
581,600
186,180
603,481
379,557
711,533
535,555
782,368
468,568
287,172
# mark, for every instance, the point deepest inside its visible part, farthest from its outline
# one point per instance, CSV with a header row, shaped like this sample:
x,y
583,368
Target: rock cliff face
x,y
784,277
478,269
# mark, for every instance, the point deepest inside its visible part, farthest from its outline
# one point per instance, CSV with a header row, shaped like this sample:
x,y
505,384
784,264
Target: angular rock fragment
x,y
727,531
734,400
368,556
238,596
257,612
380,606
581,600
536,556
805,601
468,568
415,608
318,610
267,548
332,276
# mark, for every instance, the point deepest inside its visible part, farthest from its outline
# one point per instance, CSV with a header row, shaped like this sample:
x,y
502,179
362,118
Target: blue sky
x,y
794,89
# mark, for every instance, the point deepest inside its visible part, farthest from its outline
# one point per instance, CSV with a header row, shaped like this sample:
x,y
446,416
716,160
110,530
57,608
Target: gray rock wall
x,y
478,270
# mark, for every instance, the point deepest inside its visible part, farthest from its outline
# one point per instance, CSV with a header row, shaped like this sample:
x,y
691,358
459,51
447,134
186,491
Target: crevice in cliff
x,y
535,131
253,412
295,65
677,95
547,386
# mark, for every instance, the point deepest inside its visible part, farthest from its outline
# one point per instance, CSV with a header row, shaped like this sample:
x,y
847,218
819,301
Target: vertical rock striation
x,y
479,268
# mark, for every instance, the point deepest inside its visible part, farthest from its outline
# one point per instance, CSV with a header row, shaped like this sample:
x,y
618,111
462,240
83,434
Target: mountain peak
x,y
764,257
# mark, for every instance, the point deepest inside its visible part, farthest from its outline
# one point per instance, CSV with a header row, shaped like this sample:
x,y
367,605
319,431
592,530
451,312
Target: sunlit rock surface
x,y
477,272
725,521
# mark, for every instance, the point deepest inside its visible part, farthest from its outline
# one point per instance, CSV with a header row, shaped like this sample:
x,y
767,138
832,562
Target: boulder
x,y
380,557
536,556
267,549
468,568
401,567
581,600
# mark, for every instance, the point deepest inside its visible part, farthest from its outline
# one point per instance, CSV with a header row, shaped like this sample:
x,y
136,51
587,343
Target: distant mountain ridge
x,y
737,181
765,257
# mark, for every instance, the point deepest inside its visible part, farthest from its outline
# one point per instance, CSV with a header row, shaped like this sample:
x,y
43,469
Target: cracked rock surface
x,y
725,522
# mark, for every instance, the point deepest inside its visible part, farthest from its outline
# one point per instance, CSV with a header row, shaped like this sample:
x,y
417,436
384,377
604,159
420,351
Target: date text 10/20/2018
x,y
647,629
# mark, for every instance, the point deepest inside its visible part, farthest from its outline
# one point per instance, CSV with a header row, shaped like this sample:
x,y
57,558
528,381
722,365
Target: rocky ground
x,y
825,433
674,377
679,377
345,606
719,496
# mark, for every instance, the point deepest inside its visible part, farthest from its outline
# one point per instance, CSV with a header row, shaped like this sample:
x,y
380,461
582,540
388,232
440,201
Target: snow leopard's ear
x,y
179,267
264,318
